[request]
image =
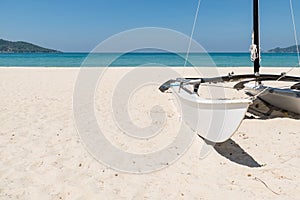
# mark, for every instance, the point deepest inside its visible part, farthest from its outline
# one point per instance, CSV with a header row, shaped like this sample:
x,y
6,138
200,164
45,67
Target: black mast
x,y
256,34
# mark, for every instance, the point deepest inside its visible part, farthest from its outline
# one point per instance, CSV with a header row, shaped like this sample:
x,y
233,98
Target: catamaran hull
x,y
214,120
286,99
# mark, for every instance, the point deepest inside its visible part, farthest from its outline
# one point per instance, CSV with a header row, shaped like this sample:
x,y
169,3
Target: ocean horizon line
x,y
77,59
142,52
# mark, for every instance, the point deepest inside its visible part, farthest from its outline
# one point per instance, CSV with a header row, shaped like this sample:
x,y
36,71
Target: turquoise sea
x,y
138,59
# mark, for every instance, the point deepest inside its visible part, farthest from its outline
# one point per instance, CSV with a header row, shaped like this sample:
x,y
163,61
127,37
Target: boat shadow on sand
x,y
233,152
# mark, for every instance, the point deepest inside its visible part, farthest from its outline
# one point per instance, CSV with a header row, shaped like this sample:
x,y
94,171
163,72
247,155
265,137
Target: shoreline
x,y
217,71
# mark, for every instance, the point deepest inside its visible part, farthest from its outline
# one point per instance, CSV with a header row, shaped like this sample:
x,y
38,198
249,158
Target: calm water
x,y
138,59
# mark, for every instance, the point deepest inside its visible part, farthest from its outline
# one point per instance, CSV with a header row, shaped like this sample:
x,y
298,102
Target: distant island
x,y
291,49
22,47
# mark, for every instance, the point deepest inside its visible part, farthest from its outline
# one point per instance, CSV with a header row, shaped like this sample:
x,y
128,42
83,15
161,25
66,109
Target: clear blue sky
x,y
223,25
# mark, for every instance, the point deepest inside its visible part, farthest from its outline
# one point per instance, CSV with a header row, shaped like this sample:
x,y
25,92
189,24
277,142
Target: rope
x,y
217,86
192,34
253,50
295,35
254,54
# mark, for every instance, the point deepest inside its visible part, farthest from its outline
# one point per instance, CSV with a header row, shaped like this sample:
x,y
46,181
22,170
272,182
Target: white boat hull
x,y
214,120
286,99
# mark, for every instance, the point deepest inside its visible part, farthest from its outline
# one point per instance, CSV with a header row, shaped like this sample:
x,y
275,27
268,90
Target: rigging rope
x,y
253,49
295,35
192,34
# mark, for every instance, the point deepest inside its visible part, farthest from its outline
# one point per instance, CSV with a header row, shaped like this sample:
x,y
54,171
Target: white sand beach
x,y
42,156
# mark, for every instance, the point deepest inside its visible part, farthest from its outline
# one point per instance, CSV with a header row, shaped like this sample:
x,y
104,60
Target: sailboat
x,y
217,120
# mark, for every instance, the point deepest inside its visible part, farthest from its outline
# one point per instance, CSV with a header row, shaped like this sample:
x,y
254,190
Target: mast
x,y
256,35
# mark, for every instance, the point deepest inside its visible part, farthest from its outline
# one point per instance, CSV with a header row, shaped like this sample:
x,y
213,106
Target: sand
x,y
42,155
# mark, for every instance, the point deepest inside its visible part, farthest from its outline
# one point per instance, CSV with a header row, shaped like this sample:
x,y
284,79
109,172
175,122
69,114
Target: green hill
x,y
291,49
22,47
